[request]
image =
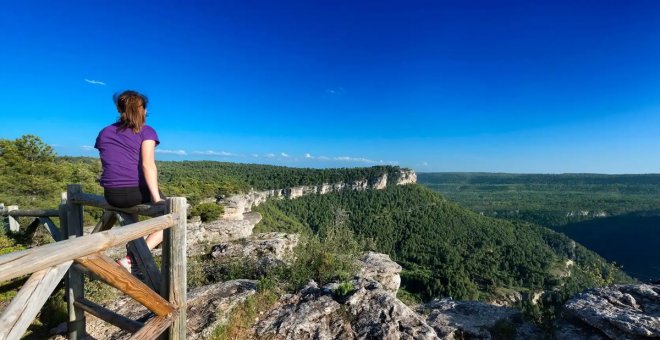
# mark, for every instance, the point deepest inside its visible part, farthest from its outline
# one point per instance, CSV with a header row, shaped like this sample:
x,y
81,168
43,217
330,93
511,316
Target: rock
x,y
266,249
379,183
380,268
506,298
201,236
476,320
370,312
208,307
378,314
406,177
619,311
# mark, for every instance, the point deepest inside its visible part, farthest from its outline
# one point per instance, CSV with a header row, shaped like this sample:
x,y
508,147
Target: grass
x,y
246,314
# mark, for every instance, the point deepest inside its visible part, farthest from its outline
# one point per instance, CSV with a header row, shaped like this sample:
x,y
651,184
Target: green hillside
x,y
447,250
614,215
549,200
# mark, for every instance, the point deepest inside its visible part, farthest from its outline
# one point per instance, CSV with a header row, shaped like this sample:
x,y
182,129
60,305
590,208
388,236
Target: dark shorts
x,y
128,197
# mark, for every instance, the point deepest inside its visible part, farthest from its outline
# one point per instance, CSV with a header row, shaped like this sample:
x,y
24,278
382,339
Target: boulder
x,y
380,268
618,312
201,236
453,319
367,312
265,249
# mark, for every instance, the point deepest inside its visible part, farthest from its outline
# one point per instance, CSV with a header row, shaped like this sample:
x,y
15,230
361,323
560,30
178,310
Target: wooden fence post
x,y
14,227
174,266
71,217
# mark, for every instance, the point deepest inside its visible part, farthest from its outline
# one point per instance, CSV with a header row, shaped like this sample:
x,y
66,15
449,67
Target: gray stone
x,y
619,311
369,312
379,267
200,237
265,249
476,320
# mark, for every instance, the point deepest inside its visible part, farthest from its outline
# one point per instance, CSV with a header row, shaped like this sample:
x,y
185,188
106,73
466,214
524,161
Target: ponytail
x,y
132,107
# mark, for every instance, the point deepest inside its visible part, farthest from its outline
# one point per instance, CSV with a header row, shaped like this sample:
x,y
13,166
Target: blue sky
x,y
506,86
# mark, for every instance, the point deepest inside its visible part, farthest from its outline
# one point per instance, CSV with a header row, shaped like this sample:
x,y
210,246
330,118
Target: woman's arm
x,y
149,168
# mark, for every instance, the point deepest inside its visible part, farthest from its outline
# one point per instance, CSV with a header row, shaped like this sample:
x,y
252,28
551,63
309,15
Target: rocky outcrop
x,y
266,249
208,307
406,176
368,312
476,320
236,206
380,268
616,312
200,236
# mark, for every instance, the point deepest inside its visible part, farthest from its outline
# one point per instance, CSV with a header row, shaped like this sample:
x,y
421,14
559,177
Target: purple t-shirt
x,y
120,155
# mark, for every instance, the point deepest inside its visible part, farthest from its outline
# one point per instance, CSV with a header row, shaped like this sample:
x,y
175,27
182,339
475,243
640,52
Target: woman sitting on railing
x,y
127,151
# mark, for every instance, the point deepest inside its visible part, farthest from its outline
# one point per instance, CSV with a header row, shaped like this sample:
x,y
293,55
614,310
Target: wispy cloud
x,y
335,91
87,147
283,154
270,155
309,156
425,163
255,155
356,159
172,152
323,158
213,153
94,82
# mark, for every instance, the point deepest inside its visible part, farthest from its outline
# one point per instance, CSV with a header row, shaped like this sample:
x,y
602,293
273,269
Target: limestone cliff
x,y
236,206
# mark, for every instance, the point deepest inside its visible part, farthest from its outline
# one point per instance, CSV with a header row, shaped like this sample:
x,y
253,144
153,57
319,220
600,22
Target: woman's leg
x,y
154,239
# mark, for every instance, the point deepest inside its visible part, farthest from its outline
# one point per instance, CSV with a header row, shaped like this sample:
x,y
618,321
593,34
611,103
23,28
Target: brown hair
x,y
132,108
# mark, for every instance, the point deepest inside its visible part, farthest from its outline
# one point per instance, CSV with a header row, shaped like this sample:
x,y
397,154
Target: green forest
x,y
614,215
447,250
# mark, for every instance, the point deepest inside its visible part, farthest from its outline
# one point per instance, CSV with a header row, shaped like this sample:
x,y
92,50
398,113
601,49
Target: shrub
x,y
331,256
344,288
207,211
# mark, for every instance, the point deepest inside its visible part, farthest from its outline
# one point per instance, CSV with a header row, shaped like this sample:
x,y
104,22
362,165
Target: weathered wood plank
x,y
30,213
30,260
24,307
14,227
75,281
174,266
106,269
109,316
143,257
153,328
106,222
51,227
100,202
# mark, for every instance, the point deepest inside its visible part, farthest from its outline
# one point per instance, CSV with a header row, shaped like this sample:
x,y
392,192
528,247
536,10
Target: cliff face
x,y
237,205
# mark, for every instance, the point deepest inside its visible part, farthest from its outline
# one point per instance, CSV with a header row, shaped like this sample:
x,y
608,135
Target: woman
x,y
127,151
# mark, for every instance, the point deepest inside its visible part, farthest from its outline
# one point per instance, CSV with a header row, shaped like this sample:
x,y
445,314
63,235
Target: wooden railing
x,y
74,255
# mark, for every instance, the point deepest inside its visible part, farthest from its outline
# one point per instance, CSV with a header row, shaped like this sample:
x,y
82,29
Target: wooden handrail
x,y
31,213
100,202
164,293
31,260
